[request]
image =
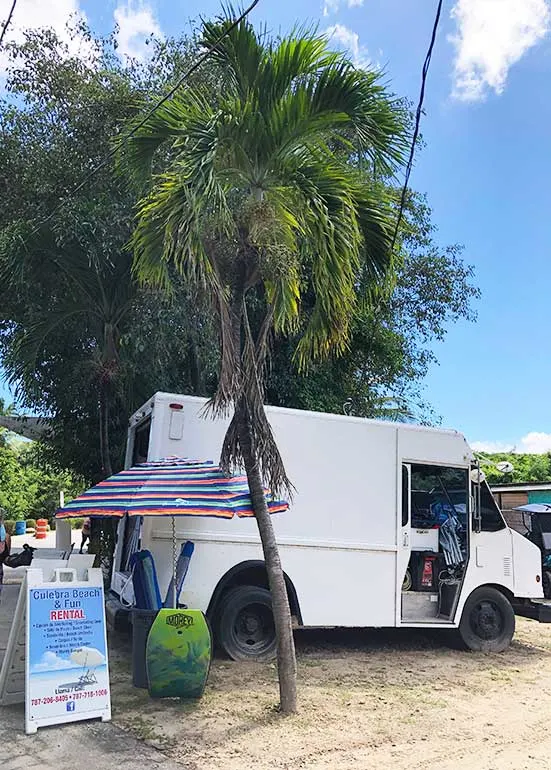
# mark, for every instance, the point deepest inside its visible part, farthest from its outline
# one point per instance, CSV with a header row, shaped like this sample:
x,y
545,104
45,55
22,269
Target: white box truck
x,y
390,526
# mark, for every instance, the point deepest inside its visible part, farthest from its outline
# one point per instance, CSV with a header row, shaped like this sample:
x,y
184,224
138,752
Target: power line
x,y
418,114
151,112
7,22
409,166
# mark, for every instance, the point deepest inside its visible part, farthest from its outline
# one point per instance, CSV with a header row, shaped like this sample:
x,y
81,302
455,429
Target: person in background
x,y
5,544
85,533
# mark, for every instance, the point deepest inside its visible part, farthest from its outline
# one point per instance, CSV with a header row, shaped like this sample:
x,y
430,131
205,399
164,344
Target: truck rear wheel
x,y
246,629
488,621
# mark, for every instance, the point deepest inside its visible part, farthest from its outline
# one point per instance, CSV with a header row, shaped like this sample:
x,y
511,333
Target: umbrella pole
x,y
174,562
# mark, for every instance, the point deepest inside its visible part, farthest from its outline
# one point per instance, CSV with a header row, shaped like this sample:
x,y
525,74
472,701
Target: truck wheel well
x,y
250,573
502,589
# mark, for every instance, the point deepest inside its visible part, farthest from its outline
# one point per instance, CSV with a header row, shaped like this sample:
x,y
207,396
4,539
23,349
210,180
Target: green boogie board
x,y
178,654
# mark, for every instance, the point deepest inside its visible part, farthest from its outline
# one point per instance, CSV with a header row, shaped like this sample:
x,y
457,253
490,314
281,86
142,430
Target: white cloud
x,y
349,40
492,35
332,6
50,661
34,14
136,24
532,443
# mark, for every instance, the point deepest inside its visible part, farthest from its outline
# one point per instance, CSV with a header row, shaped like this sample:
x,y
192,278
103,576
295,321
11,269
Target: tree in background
x,y
92,290
57,121
528,468
255,200
30,485
84,345
391,344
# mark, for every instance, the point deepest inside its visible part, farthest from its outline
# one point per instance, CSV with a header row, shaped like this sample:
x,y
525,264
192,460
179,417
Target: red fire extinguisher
x,y
427,574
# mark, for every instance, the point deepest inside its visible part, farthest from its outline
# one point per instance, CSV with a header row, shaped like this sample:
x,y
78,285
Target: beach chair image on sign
x,y
89,658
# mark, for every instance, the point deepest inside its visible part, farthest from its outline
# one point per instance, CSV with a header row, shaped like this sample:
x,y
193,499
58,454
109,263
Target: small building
x,y
511,496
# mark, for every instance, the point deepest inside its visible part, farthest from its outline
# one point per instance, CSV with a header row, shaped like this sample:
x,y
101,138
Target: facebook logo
x,y
71,705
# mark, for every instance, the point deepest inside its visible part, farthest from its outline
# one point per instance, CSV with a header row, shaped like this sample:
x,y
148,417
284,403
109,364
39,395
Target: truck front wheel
x,y
488,621
246,629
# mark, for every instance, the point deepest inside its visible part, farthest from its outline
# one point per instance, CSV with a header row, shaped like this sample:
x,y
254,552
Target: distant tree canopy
x,y
79,342
83,342
29,483
528,468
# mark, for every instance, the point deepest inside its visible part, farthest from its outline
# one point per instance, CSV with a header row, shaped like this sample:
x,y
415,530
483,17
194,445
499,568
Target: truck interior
x,y
435,502
128,533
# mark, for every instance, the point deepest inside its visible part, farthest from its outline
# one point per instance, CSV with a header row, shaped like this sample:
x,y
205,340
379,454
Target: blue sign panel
x,y
67,669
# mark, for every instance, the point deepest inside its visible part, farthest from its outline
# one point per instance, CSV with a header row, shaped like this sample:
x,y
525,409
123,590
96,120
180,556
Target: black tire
x,y
488,621
546,584
245,627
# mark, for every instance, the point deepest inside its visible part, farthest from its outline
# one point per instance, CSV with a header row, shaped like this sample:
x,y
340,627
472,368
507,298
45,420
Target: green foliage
x,y
257,191
390,349
9,525
31,523
59,118
75,523
256,197
528,468
76,331
30,486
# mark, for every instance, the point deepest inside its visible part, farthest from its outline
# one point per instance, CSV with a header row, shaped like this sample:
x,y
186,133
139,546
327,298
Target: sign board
x,y
67,674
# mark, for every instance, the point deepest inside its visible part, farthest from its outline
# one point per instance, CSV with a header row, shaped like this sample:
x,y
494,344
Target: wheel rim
x,y
253,629
487,620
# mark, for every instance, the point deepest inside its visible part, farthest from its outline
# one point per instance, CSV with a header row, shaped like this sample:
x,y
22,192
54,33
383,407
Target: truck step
x,y
419,606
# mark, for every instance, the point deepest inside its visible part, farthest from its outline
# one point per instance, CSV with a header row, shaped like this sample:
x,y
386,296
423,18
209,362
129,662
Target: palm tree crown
x,y
258,188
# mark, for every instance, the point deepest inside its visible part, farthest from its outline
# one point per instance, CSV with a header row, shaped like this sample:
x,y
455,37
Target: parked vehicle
x,y
391,525
536,518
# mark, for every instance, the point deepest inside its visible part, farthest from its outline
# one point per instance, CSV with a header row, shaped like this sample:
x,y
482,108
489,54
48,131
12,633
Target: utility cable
x,y
418,114
409,166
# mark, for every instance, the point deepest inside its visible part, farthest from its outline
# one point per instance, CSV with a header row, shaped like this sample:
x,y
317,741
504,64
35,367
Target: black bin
x,y
142,620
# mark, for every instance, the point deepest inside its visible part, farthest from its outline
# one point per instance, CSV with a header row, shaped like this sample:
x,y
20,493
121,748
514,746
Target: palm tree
x,y
255,193
96,292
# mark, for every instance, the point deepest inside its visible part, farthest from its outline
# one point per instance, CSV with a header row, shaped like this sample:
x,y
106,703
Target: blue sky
x,y
485,169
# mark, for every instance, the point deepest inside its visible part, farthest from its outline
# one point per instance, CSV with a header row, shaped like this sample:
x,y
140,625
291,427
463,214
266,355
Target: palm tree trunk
x,y
102,532
286,661
105,449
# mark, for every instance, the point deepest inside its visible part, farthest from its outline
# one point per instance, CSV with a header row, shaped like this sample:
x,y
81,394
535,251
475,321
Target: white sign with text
x,y
67,671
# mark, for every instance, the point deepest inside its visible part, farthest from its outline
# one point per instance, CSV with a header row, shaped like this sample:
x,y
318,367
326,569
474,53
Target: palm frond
x,y
290,61
239,53
168,123
249,411
30,343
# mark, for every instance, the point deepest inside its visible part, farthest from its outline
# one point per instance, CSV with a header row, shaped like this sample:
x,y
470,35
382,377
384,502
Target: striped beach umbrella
x,y
170,487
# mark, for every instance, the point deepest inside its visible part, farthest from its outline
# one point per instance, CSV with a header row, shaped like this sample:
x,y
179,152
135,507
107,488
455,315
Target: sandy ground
x,y
368,699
